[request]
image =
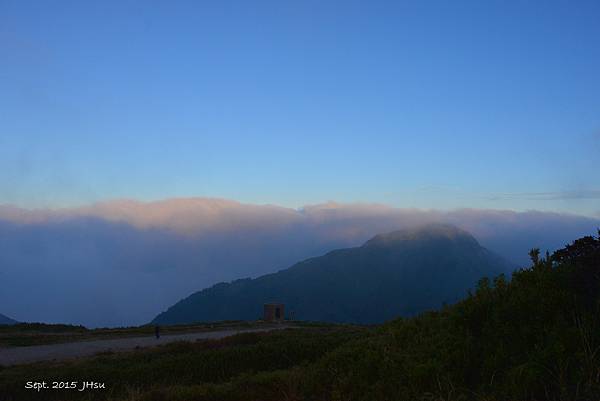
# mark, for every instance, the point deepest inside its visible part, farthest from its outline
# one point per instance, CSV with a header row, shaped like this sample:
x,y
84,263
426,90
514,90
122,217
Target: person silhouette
x,y
157,331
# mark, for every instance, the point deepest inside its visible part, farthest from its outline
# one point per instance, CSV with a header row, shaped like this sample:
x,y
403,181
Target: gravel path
x,y
19,355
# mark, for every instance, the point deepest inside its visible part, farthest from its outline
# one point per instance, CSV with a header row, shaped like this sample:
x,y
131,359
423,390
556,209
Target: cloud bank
x,y
122,262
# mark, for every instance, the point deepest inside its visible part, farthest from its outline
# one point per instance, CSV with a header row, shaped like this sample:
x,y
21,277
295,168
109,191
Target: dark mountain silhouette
x,y
6,320
397,274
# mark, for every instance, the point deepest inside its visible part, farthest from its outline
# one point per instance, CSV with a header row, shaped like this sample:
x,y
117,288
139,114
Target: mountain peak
x,y
427,233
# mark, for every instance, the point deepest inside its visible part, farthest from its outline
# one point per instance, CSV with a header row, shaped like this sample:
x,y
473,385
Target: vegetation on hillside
x,y
533,337
536,337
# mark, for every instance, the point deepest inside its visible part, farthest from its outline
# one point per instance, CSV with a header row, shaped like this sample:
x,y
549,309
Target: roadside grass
x,y
206,369
27,334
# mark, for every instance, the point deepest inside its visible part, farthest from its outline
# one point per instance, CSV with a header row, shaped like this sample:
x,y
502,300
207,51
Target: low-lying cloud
x,y
122,262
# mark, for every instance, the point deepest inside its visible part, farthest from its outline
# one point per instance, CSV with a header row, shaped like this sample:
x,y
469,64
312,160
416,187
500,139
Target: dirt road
x,y
19,355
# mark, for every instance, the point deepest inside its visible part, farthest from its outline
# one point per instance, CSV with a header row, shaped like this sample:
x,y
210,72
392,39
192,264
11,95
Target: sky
x,y
426,104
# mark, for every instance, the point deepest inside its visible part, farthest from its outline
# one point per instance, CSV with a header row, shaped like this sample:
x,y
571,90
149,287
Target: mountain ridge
x,y
399,273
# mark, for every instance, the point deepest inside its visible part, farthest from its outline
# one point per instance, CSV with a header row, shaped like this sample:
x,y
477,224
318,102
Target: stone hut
x,y
274,312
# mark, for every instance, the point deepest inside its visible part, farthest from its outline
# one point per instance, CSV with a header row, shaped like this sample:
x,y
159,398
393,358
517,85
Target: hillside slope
x,y
6,320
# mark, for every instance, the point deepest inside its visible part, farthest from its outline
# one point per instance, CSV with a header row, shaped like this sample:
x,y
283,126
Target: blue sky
x,y
415,104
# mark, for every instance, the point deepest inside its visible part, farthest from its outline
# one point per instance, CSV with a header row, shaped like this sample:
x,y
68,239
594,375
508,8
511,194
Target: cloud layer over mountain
x,y
122,262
